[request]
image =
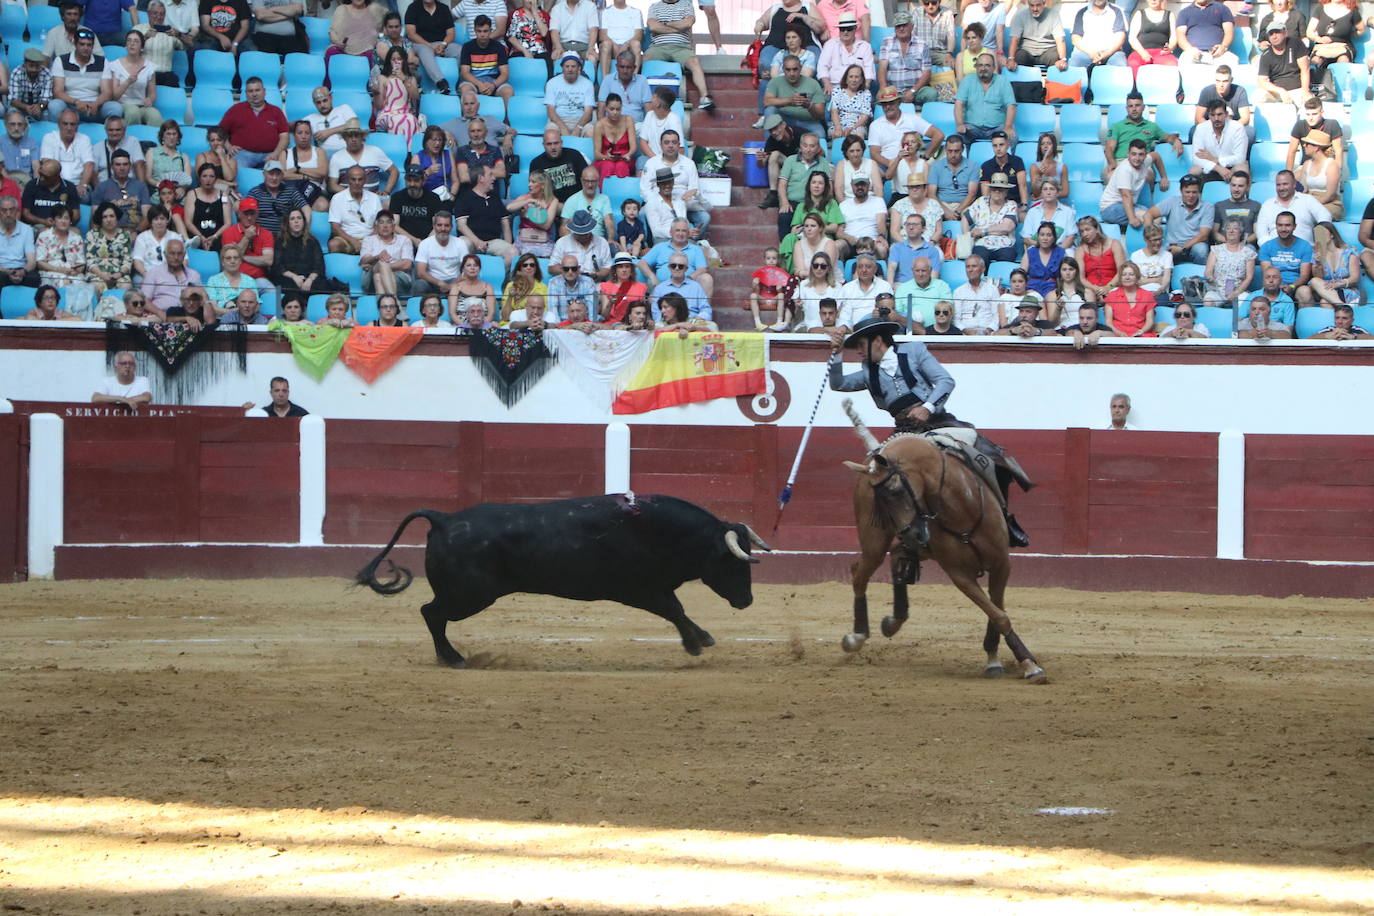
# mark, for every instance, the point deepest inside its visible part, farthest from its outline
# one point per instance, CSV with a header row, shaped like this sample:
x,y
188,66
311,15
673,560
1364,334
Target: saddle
x,y
979,454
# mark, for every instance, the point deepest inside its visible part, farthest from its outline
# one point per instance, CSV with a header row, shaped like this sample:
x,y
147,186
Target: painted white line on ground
x,y
1074,812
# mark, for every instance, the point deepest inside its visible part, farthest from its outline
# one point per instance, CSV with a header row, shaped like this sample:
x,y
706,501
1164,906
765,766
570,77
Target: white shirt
x,y
1230,148
183,16
371,159
469,10
442,261
596,256
856,303
150,250
138,89
400,249
575,23
354,216
1008,303
685,177
1123,178
861,219
887,136
1304,208
652,127
569,100
621,25
660,216
338,116
72,158
811,302
114,388
976,308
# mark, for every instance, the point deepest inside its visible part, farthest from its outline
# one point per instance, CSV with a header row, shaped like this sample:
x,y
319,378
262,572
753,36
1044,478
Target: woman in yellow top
x,y
526,282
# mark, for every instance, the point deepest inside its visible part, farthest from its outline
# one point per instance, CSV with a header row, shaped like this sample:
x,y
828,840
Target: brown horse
x,y
914,501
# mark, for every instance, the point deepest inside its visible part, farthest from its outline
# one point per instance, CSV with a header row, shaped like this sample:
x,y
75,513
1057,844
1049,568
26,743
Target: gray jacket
x,y
920,379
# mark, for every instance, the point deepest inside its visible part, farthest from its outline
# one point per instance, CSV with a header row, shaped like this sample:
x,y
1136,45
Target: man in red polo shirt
x,y
257,131
252,241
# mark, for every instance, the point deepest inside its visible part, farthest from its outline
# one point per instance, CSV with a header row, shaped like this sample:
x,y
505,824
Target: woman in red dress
x,y
1100,256
1130,309
613,139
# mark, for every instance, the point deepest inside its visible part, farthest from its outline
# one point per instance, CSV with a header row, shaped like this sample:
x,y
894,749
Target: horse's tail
x,y
869,440
402,578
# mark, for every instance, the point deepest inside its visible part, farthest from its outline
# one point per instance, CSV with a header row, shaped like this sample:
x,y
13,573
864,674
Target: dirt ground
x,y
290,746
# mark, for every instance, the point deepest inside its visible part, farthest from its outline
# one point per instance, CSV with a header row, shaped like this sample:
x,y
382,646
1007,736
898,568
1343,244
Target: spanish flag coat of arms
x,y
696,367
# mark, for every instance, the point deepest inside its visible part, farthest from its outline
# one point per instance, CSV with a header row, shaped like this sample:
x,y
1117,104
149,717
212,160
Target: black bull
x,y
597,548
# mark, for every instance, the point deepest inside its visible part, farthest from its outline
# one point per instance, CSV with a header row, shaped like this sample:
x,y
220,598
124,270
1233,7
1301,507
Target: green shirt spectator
x,y
796,172
780,87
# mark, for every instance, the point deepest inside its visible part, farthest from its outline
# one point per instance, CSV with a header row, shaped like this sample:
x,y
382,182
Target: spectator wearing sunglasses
x,y
568,281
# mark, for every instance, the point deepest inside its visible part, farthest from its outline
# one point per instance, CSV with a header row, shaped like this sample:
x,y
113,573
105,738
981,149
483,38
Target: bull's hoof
x,y
891,625
852,642
993,671
691,649
707,640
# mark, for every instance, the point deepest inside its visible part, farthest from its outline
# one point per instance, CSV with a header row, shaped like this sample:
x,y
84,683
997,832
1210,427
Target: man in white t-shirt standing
x,y
865,216
621,27
125,389
439,257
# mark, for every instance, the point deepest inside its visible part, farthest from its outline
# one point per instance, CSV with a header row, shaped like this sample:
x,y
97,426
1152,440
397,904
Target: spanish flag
x,y
697,367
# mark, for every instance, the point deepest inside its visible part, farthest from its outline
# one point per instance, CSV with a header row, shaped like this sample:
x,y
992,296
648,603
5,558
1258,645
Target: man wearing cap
x,y
590,198
483,220
793,172
379,171
670,29
686,182
859,296
909,383
18,150
865,216
31,86
1027,322
985,102
562,167
592,251
78,84
799,99
569,98
780,142
885,133
1220,147
256,130
1283,73
276,198
352,212
253,241
663,208
916,298
842,52
1188,222
163,283
1036,39
61,38
329,121
904,59
902,256
414,206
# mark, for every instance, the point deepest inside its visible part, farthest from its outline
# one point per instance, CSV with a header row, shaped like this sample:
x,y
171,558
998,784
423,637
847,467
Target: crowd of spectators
x,y
893,161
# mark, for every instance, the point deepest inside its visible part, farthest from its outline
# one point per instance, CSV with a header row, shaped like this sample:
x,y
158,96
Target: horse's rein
x,y
934,516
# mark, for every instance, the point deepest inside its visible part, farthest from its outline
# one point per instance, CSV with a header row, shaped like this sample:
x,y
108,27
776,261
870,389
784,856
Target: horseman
x,y
909,383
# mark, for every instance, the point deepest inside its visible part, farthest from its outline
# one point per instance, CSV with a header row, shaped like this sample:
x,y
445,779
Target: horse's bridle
x,y
916,533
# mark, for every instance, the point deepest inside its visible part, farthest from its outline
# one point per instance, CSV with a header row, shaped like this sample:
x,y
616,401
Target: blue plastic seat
x,y
1175,119
527,147
13,24
171,102
582,144
319,228
413,308
876,35
215,70
359,101
42,19
489,106
440,108
941,114
952,272
248,178
661,68
1068,76
15,301
365,309
517,185
1164,314
1364,316
1220,322
209,105
1267,160
1273,121
1158,85
527,115
1216,191
1357,195
345,70
448,71
315,305
619,190
300,106
1351,81
1001,271
1080,124
1084,161
1312,320
205,262
1024,75
528,75
1243,45
265,66
304,72
1034,120
1110,85
344,268
493,271
317,33
393,145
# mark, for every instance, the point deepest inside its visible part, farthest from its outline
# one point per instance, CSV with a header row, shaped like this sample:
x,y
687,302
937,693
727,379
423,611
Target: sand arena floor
x,y
290,746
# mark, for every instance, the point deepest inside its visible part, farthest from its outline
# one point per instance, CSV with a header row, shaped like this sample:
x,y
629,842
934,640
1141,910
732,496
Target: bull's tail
x,y
401,578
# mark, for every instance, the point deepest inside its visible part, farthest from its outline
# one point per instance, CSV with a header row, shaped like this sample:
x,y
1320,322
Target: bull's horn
x,y
756,540
865,436
732,541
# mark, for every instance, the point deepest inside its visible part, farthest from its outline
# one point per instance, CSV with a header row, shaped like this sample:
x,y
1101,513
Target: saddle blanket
x,y
961,443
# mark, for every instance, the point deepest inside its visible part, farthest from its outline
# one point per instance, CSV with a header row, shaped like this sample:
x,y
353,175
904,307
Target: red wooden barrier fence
x,y
13,496
1309,497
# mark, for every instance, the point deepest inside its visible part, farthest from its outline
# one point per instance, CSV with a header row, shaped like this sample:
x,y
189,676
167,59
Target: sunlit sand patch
x,y
124,848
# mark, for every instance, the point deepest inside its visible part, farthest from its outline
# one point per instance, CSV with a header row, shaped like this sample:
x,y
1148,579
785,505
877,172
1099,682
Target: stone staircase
x,y
741,232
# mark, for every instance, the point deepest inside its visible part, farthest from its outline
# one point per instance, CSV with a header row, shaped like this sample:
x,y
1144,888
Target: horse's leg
x,y
875,544
991,640
966,581
892,623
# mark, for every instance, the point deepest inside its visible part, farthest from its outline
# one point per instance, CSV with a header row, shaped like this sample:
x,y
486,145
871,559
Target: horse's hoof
x,y
891,625
691,650
994,671
453,662
852,642
707,640
1036,675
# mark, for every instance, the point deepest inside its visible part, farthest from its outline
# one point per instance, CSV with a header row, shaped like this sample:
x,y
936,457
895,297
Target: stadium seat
x,y
1024,75
344,268
527,147
359,101
1110,85
265,66
83,222
980,150
171,102
41,20
493,271
941,114
1311,320
618,190
1351,81
1195,79
392,144
365,309
1267,160
1220,322
1084,197
1216,191
952,272
1364,316
876,34
583,145
1001,271
1034,120
660,69
1164,314
314,305
13,23
527,115
193,139
268,302
1068,76
300,106
1273,121
14,54
319,228
439,108
448,71
489,106
208,105
517,185
1080,124
1084,161
1175,165
413,308
345,70
317,33
15,301
1243,46
1175,119
204,262
145,133
93,132
249,178
304,71
1357,195
1158,85
215,70
528,77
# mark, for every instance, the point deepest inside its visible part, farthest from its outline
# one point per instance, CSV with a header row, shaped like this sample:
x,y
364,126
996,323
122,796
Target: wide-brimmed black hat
x,y
872,326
